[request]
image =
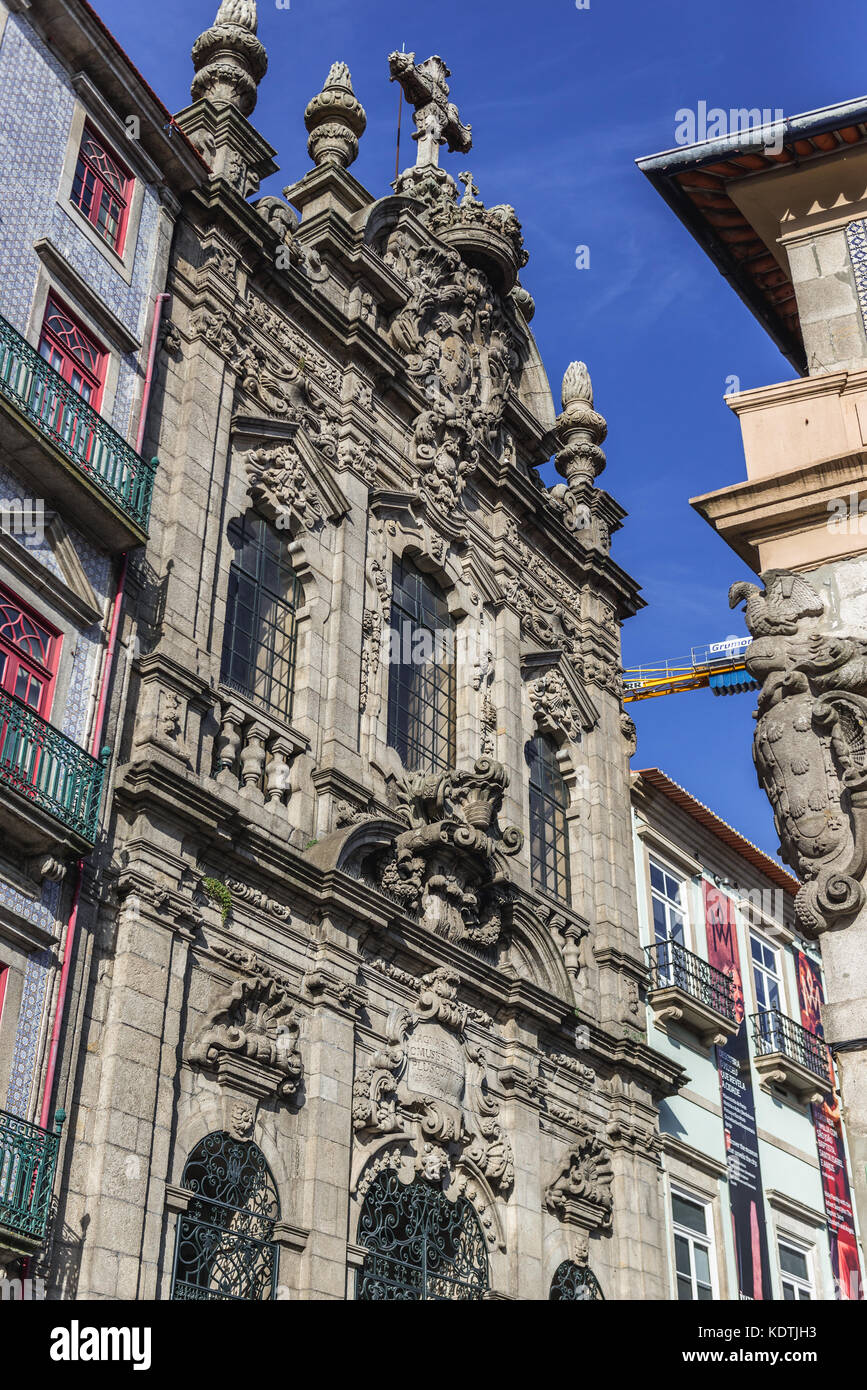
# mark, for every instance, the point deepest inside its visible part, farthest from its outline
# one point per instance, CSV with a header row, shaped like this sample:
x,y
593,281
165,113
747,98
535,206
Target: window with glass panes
x,y
549,829
71,351
693,1247
421,683
29,651
795,1273
668,899
261,633
766,979
101,189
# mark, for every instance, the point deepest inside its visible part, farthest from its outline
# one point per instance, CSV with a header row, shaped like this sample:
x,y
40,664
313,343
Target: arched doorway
x,y
224,1247
420,1246
573,1281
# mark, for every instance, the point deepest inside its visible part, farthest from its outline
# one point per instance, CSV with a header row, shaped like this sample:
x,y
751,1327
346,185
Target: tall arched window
x,y
421,685
574,1282
549,831
224,1247
420,1246
260,639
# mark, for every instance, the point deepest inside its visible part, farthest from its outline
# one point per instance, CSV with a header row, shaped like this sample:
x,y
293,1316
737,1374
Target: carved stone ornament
x,y
253,1024
809,748
432,1080
292,487
553,709
450,865
462,349
229,60
581,1192
335,119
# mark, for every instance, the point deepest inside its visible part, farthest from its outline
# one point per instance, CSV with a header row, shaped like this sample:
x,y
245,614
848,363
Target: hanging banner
x,y
832,1153
746,1199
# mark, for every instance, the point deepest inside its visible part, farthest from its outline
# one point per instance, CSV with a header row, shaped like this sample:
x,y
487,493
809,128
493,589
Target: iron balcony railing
x,y
28,1157
74,427
671,964
46,767
775,1032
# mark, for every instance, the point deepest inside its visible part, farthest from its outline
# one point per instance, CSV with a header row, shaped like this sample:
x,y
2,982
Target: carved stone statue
x,y
809,747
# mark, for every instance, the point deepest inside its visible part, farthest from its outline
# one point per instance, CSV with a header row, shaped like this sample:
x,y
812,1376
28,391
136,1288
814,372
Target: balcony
x,y
50,789
790,1056
687,990
28,1157
72,456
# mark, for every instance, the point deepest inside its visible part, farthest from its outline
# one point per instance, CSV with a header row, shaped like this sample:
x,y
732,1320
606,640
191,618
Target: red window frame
x,y
72,352
101,188
29,652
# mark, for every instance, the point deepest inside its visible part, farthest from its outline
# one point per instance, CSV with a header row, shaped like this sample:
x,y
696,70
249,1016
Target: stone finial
x,y
580,430
436,118
230,61
335,119
577,385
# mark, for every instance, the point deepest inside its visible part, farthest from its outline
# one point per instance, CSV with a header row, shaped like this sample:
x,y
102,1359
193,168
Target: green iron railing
x,y
46,767
74,427
28,1157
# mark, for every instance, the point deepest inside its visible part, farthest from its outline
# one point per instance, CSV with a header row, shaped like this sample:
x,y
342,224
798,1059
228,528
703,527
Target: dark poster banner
x,y
832,1154
739,1111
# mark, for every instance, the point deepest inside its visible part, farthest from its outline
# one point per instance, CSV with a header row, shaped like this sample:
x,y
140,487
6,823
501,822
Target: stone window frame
x,y
677,1187
798,1224
91,109
456,591
805,1248
704,1179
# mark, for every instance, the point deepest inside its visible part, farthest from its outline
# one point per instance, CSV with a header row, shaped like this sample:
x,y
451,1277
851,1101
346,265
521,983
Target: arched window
x,y
421,686
420,1246
260,638
549,831
571,1281
224,1247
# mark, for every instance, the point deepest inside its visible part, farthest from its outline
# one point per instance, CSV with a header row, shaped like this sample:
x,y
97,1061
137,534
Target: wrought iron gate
x,y
571,1281
420,1245
224,1247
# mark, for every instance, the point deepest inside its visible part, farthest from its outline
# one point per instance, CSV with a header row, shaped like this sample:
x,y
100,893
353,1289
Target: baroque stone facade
x,y
302,943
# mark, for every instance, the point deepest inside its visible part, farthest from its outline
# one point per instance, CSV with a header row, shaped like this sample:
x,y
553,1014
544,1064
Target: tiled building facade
x,y
88,214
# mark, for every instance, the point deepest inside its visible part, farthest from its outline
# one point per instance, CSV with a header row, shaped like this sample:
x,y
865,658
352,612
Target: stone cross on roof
x,y
436,118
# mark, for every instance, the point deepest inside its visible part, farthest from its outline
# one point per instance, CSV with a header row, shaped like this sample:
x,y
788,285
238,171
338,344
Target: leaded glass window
x,y
421,686
260,639
573,1282
224,1247
549,831
420,1246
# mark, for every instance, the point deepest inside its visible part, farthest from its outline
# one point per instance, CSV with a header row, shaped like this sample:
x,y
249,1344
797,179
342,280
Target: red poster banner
x,y
832,1153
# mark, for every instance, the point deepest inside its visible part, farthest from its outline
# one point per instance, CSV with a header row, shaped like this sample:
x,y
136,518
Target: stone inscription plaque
x,y
435,1063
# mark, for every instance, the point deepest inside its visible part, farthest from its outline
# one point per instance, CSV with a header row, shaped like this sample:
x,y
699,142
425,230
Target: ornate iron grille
x,y
224,1247
40,763
572,1282
74,427
420,1246
671,963
774,1032
28,1156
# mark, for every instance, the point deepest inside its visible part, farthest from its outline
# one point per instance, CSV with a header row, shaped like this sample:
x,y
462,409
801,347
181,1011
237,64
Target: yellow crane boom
x,y
718,666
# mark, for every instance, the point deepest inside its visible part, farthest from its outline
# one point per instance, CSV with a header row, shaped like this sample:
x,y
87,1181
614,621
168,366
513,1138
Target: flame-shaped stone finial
x,y
335,119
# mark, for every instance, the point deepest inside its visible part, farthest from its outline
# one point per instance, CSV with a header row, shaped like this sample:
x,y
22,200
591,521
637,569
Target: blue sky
x,y
562,101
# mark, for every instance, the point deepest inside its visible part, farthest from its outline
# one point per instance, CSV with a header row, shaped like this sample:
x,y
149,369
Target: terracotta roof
x,y
680,797
694,180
